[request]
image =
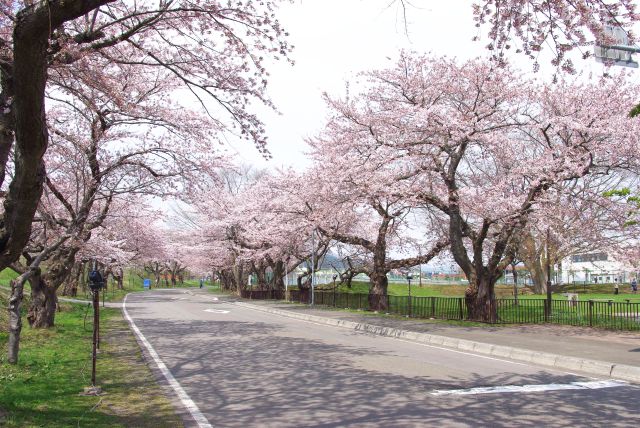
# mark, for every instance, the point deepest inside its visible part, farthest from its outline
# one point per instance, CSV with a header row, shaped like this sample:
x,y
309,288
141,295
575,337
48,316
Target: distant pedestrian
x,y
634,286
201,282
616,289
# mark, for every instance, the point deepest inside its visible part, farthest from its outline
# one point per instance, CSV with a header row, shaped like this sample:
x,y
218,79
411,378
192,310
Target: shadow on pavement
x,y
251,374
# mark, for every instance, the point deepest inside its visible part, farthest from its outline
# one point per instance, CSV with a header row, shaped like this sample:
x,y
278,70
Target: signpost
x,y
146,283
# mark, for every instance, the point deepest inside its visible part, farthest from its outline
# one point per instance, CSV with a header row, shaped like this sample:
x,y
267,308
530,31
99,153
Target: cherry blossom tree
x,y
216,51
576,218
367,201
111,136
529,26
488,146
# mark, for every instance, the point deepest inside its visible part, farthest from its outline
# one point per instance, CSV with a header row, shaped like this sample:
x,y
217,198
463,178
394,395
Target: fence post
x,y
590,313
546,310
433,307
460,307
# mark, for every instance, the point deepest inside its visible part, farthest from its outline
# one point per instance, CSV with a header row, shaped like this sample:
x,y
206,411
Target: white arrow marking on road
x,y
532,388
216,311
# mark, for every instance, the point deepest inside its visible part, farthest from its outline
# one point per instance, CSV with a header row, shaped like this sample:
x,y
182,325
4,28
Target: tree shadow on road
x,y
254,374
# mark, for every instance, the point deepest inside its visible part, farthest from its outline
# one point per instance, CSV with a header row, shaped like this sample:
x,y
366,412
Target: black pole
x,y
96,318
409,281
548,281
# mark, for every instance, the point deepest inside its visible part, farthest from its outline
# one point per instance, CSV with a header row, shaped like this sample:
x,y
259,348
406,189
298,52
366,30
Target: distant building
x,y
595,268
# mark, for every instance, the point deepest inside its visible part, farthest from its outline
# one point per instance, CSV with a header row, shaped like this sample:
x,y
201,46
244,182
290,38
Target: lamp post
x,y
96,282
335,276
409,278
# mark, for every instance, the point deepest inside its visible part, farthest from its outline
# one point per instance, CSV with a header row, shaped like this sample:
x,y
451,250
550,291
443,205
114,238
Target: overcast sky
x,y
336,39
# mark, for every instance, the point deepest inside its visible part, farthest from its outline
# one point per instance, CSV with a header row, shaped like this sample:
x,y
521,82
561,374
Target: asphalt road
x,y
244,368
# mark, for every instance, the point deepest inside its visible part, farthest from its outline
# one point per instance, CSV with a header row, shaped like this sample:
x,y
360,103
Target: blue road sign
x,y
147,283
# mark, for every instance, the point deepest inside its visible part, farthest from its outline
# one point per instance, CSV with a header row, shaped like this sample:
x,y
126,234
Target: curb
x,y
594,367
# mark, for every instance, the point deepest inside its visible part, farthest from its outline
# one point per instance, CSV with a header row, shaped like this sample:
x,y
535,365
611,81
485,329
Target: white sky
x,y
336,39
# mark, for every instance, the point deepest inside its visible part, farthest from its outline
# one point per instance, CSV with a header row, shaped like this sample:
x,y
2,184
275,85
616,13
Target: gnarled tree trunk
x,y
378,298
15,320
480,299
44,301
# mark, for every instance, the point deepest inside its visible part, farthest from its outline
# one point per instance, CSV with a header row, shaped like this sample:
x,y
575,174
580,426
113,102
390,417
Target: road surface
x,y
238,367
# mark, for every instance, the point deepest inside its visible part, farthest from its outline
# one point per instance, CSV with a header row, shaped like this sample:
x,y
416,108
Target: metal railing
x,y
592,313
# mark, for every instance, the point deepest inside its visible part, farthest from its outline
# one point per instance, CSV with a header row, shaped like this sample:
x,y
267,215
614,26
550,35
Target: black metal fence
x,y
593,313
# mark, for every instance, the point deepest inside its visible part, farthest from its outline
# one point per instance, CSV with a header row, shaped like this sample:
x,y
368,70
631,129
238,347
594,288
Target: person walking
x,y
201,282
634,286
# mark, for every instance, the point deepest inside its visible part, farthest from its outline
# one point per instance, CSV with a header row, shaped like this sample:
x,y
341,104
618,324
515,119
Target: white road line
x,y
532,388
193,409
216,311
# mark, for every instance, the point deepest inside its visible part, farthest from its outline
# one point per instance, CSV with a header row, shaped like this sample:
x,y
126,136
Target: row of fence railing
x,y
594,313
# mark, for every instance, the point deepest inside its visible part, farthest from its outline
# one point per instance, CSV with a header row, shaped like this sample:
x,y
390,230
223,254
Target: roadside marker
x,y
532,388
193,409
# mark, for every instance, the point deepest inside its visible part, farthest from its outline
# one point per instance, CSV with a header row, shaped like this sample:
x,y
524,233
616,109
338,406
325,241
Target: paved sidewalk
x,y
617,347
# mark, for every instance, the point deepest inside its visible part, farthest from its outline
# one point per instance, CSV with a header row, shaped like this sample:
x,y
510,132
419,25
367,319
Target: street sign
x,y
146,284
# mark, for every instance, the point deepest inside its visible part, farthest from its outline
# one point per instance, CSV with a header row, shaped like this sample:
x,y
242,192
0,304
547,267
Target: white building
x,y
595,268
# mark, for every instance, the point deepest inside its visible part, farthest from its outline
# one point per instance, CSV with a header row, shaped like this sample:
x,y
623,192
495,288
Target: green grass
x,y
593,291
6,275
55,366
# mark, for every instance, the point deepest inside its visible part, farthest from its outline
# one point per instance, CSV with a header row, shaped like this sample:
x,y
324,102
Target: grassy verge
x,y
588,292
55,366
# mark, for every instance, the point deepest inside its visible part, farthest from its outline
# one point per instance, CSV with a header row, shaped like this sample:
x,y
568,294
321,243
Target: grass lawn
x,y
592,291
6,275
55,366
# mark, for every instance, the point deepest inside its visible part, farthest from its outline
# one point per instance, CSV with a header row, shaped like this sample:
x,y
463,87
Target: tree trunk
x,y
538,277
42,310
515,285
119,279
71,285
278,276
83,277
480,299
239,278
15,320
378,299
261,276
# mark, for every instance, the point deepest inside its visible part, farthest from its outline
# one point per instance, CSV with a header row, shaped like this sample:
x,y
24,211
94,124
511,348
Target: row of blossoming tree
x,y
436,156
92,121
104,104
